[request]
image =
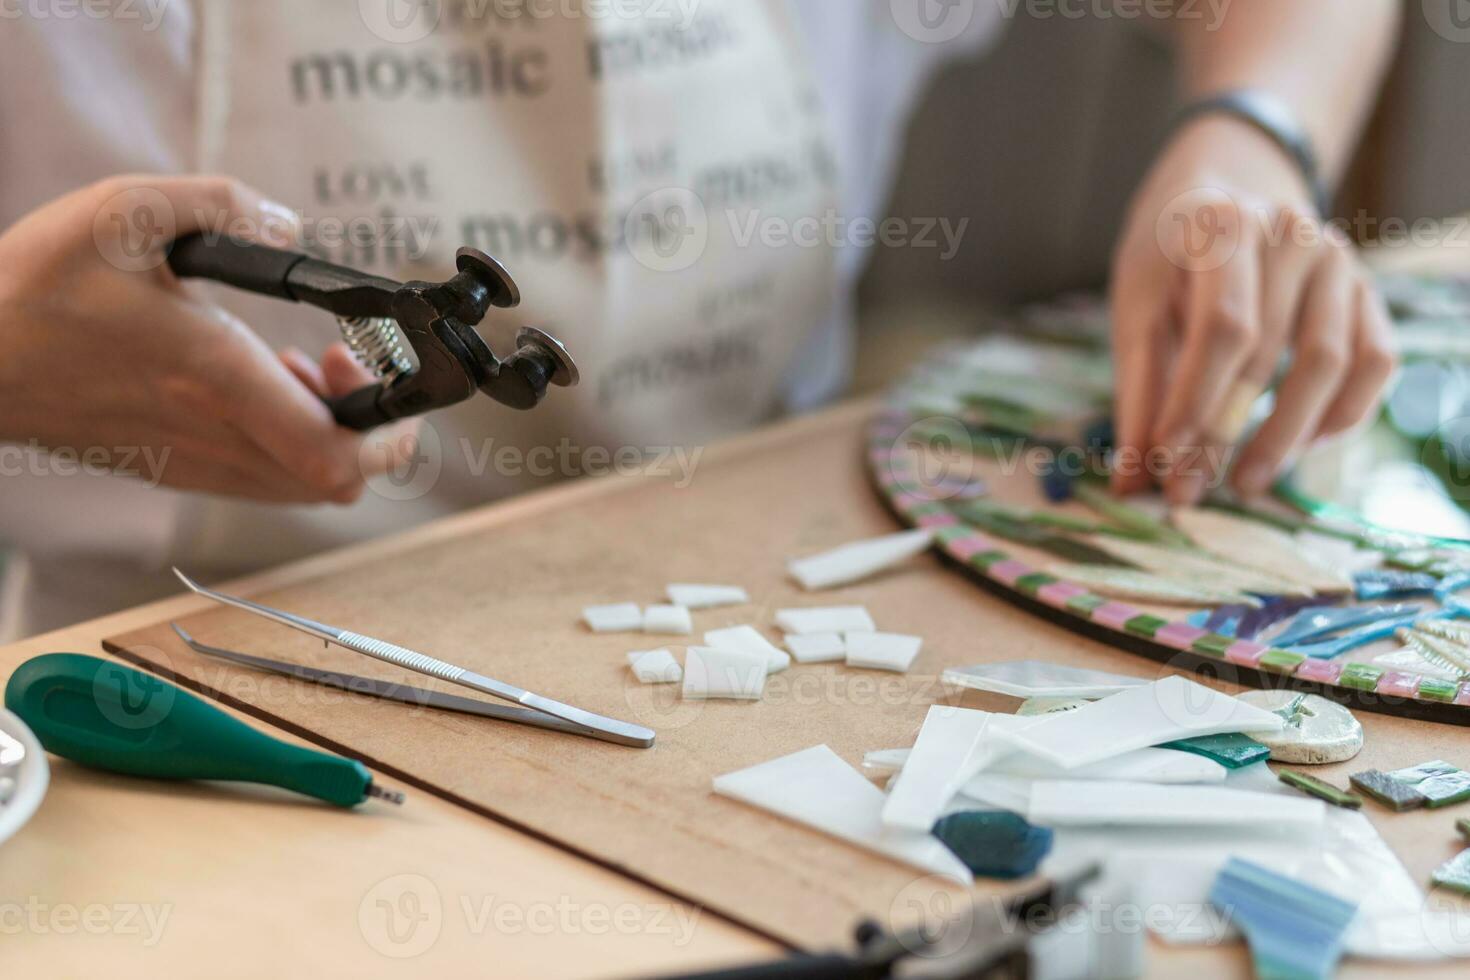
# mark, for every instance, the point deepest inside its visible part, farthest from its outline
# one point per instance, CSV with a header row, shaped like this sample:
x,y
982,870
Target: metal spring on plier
x,y
377,344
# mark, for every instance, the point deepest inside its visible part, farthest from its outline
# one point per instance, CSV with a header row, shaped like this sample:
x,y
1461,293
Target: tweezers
x,y
532,709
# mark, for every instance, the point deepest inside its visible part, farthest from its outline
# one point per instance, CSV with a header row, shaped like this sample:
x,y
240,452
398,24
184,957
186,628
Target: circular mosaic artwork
x,y
1003,449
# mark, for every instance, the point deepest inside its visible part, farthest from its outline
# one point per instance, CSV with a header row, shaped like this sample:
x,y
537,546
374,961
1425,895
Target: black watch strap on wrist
x,y
1275,119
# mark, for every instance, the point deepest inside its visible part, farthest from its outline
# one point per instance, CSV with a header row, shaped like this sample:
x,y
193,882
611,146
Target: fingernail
x,y
279,225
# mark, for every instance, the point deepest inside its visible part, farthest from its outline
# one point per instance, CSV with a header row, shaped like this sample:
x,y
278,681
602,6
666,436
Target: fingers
x,y
270,403
1143,342
1374,361
219,205
1320,367
1287,268
307,371
342,373
1221,327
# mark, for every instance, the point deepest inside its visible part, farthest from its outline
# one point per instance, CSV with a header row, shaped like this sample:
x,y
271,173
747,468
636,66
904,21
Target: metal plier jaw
x,y
436,319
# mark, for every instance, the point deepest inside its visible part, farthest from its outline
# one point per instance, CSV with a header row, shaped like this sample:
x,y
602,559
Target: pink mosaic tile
x,y
966,548
1010,570
1180,636
938,520
1059,593
1321,671
1245,654
1399,684
1115,614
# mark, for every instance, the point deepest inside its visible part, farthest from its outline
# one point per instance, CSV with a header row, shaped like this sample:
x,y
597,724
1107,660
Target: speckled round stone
x,y
1323,732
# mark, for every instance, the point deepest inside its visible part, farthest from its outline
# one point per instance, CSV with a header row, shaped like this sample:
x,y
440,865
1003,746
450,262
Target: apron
x,y
654,183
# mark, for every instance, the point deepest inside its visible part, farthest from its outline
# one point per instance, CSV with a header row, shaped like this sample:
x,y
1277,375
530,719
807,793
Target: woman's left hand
x,y
1223,267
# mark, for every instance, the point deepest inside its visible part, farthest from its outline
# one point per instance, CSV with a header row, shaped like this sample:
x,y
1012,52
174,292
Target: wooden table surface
x,y
127,878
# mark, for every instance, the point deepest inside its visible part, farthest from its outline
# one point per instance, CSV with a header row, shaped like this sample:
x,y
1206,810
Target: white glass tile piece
x,y
1064,803
1037,678
1164,766
748,639
655,667
816,648
692,596
670,620
856,561
710,673
825,619
936,767
622,617
816,788
882,651
1164,711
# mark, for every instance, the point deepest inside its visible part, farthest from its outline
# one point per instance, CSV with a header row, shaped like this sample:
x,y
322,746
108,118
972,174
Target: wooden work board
x,y
500,591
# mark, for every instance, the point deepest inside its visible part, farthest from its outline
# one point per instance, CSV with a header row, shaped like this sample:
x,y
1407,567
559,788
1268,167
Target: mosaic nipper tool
x,y
382,320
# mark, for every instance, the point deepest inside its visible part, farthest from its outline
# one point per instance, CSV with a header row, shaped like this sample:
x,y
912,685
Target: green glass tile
x,y
1455,874
1145,625
1313,786
1434,690
985,559
1086,603
1233,750
1397,796
1029,584
1463,826
1362,677
954,532
1214,644
1281,661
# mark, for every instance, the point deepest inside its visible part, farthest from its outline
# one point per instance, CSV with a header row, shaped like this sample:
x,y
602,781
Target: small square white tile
x,y
882,651
622,617
655,667
671,620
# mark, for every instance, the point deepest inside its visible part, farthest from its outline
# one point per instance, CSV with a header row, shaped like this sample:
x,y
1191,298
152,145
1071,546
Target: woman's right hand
x,y
104,352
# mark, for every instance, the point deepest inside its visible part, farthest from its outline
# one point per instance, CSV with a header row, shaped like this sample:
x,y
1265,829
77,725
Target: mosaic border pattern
x,y
988,558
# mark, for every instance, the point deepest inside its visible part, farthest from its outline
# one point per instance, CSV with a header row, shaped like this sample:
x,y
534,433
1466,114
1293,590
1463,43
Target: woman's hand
x,y
1223,268
103,350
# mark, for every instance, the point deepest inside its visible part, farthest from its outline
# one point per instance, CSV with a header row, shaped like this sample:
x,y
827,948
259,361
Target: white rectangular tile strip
x,y
735,674
1164,766
882,651
1164,711
748,639
623,617
825,619
816,788
858,560
1039,679
1071,802
936,767
692,596
817,648
671,620
655,667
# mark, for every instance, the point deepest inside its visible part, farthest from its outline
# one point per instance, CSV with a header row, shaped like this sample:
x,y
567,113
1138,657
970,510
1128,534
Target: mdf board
x,y
500,592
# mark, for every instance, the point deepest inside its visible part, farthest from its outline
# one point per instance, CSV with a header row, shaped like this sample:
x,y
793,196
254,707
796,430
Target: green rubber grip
x,y
105,715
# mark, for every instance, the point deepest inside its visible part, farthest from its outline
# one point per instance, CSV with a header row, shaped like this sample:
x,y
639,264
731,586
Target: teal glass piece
x,y
1232,750
994,844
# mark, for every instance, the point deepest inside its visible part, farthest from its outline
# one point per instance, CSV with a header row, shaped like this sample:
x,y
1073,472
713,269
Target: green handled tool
x,y
102,714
